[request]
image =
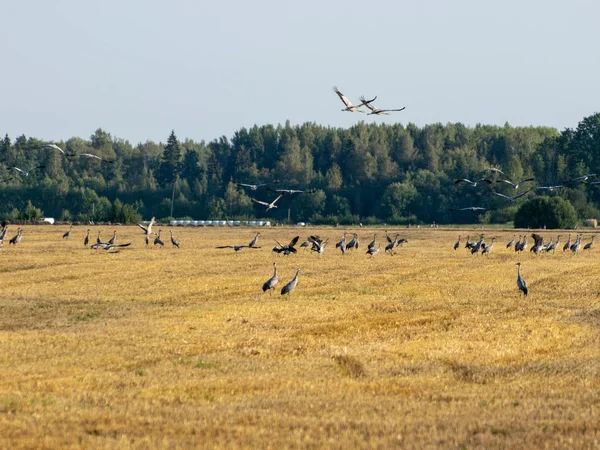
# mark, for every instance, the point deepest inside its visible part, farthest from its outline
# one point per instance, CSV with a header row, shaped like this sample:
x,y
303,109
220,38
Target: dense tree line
x,y
368,173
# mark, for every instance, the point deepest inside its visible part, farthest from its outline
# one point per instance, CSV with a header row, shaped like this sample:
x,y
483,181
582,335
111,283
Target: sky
x,y
139,69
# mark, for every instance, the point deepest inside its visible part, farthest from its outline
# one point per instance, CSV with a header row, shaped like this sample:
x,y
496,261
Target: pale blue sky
x,y
141,68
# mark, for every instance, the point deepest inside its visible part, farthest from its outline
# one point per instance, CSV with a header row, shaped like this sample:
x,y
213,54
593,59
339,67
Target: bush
x,y
549,212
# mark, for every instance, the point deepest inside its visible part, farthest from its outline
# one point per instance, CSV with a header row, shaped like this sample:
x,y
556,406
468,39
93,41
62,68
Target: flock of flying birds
x,y
515,186
68,155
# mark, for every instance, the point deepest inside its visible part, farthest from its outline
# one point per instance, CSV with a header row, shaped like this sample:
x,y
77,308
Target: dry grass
x,y
180,348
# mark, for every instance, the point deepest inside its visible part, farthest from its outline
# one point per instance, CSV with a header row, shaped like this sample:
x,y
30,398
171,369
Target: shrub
x,y
549,212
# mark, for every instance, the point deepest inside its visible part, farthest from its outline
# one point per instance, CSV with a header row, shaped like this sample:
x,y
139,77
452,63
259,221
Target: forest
x,y
369,173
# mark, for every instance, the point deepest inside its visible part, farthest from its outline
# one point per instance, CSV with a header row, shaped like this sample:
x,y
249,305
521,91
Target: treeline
x,y
368,173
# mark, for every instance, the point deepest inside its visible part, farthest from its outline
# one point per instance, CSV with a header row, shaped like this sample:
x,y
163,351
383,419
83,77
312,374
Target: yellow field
x,y
179,348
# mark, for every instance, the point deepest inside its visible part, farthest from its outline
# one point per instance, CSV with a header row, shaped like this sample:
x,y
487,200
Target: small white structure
x,y
49,220
301,224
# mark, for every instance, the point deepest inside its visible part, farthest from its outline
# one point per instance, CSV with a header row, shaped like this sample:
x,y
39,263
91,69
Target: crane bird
x,y
553,246
106,246
377,111
271,282
470,208
86,240
567,245
27,172
457,243
468,244
268,205
292,191
589,245
372,251
342,244
113,239
288,288
582,178
98,240
521,283
475,247
512,242
16,239
148,229
158,240
515,185
287,249
548,188
254,187
577,245
68,232
353,244
254,241
514,197
349,106
372,243
538,245
3,234
318,245
473,183
236,248
488,248
174,241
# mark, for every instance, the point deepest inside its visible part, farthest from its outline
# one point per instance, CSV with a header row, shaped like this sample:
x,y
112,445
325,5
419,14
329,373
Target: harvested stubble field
x,y
179,348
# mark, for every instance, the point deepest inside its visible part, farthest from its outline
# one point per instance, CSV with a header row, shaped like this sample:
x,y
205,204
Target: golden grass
x,y
179,348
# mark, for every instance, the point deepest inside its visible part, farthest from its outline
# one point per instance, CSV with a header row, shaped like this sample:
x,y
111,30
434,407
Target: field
x,y
179,348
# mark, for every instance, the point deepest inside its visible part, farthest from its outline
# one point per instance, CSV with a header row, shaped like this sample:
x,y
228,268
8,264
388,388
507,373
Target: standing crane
x,y
577,245
588,246
457,244
353,244
552,247
372,243
342,244
521,283
113,239
567,245
174,241
373,250
16,239
271,282
86,240
158,240
68,232
254,241
512,242
288,288
488,248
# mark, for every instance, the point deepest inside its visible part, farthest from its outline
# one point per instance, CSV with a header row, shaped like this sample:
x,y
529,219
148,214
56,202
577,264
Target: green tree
x,y
549,212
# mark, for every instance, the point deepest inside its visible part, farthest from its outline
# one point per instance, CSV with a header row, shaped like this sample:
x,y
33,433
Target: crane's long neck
x,y
518,271
274,270
296,276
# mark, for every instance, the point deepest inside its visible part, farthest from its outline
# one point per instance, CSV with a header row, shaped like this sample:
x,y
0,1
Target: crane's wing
x,y
89,155
485,179
463,180
226,246
367,103
527,179
389,110
246,185
507,182
521,194
143,228
343,98
117,245
55,147
274,201
294,241
502,195
537,238
259,202
18,170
